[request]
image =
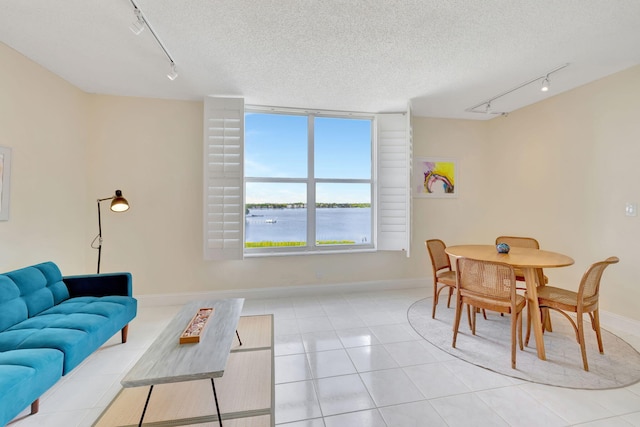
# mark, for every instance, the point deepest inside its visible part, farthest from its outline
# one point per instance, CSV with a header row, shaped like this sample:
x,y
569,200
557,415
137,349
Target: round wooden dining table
x,y
530,261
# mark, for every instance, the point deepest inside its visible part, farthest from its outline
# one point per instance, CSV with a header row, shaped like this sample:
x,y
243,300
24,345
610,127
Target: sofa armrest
x,y
99,285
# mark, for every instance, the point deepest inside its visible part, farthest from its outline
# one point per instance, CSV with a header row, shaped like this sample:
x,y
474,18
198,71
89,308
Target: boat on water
x,y
271,220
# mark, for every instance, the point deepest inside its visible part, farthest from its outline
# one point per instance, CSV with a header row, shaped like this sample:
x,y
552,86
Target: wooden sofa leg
x,y
124,332
35,406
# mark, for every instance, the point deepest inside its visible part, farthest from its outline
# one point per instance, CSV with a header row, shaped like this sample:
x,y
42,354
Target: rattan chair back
x,y
443,275
490,286
519,242
584,301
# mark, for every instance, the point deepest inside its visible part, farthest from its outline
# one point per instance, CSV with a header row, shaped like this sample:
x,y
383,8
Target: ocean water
x,y
290,225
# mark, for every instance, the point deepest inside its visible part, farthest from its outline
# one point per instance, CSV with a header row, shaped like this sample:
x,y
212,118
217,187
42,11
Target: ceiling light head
x,y
173,74
138,26
545,84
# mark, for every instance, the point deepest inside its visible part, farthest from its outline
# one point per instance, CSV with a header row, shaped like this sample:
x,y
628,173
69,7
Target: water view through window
x,y
294,163
289,226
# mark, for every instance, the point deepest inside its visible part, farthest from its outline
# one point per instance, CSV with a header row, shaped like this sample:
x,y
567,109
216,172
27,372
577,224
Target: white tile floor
x,y
352,360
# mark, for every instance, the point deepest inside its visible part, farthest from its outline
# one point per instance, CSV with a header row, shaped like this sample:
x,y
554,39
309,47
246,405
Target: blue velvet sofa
x,y
49,324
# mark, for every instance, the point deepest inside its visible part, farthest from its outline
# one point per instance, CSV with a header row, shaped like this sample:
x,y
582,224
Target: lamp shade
x,y
119,203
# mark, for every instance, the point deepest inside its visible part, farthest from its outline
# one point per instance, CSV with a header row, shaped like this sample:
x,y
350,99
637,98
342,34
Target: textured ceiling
x,y
358,55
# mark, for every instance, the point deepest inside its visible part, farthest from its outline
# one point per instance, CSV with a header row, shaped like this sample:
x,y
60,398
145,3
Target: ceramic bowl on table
x,y
502,248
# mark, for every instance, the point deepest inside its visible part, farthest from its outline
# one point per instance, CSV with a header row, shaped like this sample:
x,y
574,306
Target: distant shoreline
x,y
304,205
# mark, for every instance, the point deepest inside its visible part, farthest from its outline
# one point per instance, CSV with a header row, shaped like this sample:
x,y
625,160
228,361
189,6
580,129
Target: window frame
x,y
311,181
223,214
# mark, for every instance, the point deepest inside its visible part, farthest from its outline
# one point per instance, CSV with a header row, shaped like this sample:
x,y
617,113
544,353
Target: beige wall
x,y
80,147
158,146
573,156
45,122
560,170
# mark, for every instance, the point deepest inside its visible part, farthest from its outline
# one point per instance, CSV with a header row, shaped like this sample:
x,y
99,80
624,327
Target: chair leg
x,y
436,297
547,322
456,323
473,320
35,406
595,319
526,340
469,316
583,349
435,300
514,323
519,318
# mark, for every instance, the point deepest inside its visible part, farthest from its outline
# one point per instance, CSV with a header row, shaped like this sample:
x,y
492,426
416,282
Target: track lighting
x,y
173,74
545,84
138,26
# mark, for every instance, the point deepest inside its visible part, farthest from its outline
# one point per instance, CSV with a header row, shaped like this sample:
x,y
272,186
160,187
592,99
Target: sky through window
x,y
276,146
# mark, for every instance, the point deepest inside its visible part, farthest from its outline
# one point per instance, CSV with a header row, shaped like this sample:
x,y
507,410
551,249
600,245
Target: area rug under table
x,y
490,348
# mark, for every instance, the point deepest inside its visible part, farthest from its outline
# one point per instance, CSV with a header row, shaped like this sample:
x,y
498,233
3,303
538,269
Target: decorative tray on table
x,y
195,328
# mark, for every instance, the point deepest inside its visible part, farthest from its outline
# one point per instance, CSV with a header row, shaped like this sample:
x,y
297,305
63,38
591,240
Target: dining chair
x,y
584,301
523,242
531,243
490,286
443,275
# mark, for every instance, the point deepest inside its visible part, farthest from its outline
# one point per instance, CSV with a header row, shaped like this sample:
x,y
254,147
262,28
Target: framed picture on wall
x,y
435,177
5,176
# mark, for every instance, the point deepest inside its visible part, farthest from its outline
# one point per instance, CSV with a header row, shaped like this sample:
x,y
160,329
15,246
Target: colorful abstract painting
x,y
435,177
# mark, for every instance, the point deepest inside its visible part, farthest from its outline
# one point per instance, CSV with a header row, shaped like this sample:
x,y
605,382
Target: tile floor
x,y
351,360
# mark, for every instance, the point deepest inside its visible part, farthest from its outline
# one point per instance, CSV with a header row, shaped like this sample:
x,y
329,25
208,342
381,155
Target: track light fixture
x,y
173,74
545,84
487,103
138,26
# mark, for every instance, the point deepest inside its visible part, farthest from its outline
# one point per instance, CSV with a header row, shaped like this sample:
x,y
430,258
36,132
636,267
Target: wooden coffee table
x,y
168,361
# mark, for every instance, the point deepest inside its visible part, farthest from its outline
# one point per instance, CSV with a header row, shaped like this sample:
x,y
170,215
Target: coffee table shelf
x,y
245,392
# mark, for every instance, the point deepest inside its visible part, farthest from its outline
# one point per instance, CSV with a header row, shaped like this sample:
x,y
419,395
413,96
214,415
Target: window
x,y
308,182
236,180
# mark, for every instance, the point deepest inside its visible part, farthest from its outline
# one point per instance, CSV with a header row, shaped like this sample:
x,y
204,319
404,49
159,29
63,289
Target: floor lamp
x,y
118,204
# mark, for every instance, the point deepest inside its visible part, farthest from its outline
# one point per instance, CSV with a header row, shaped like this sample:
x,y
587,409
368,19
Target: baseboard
x,y
280,292
615,322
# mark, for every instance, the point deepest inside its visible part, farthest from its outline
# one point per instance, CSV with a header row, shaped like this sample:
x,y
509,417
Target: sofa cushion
x,y
77,327
34,288
13,309
56,286
25,374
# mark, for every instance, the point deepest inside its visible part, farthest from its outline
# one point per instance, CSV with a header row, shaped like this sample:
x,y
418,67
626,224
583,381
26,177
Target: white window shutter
x,y
223,178
394,182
